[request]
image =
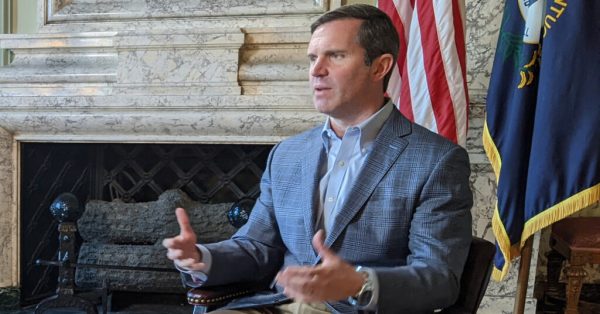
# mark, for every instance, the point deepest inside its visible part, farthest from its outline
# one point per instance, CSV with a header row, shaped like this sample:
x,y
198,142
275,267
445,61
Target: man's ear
x,y
381,66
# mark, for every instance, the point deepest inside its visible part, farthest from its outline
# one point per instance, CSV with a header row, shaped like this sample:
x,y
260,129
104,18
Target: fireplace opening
x,y
207,173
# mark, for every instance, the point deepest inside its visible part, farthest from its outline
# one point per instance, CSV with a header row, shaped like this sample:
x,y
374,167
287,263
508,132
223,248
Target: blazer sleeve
x,y
255,252
440,235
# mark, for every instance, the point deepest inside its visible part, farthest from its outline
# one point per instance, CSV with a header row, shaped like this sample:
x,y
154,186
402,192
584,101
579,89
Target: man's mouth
x,y
319,89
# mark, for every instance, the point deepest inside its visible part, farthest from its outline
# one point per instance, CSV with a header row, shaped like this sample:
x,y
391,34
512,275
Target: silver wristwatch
x,y
364,296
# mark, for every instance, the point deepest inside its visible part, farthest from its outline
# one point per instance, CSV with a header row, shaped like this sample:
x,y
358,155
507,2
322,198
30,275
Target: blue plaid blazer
x,y
408,218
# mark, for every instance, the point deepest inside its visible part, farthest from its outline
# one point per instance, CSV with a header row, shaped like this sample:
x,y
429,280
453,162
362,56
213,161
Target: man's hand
x,y
182,249
332,280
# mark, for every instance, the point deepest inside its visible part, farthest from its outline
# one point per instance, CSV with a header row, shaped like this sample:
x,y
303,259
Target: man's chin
x,y
322,110
321,106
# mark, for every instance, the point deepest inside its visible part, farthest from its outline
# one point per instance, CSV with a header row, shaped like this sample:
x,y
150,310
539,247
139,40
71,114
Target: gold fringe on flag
x,y
561,210
547,217
509,252
491,150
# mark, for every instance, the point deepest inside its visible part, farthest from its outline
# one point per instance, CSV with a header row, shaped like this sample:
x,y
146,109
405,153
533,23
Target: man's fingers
x,y
174,254
168,243
294,272
184,222
177,242
299,283
178,254
294,277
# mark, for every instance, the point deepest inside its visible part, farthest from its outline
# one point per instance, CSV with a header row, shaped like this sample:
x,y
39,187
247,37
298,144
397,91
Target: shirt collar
x,y
368,128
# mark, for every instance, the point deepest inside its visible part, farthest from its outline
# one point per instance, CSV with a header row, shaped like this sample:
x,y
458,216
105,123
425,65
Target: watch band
x,y
364,296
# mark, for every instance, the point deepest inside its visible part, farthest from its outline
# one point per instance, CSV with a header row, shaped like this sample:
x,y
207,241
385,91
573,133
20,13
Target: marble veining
x,y
279,35
274,59
292,88
483,22
8,235
483,185
274,64
190,103
503,305
178,65
57,40
179,38
241,124
474,134
126,9
210,22
61,67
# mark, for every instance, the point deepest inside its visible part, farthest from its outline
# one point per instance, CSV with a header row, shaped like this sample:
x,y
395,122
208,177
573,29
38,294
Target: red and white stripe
x,y
429,81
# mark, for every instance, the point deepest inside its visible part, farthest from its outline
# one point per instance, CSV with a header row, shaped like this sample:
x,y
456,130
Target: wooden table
x,y
578,241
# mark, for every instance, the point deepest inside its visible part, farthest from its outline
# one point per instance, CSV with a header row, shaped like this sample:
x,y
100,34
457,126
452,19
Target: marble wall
x,y
8,216
193,72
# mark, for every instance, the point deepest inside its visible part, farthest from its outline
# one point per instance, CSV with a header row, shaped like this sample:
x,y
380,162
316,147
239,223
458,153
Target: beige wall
x,y
16,16
25,16
373,2
4,27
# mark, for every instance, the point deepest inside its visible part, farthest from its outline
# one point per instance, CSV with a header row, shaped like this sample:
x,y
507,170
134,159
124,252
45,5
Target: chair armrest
x,y
219,295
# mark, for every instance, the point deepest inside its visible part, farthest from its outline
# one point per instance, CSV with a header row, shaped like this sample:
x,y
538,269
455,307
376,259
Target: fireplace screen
x,y
129,172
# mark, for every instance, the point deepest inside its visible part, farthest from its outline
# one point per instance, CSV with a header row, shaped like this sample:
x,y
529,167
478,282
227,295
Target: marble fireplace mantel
x,y
190,71
217,85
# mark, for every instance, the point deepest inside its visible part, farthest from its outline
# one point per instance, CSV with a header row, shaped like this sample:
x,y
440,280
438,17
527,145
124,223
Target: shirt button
x,y
364,150
330,199
342,163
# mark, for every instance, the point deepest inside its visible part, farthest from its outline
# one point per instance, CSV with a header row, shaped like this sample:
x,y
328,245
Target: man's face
x,y
342,84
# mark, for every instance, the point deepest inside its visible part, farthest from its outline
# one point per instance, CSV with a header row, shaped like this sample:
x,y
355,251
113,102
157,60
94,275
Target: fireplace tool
x,y
67,211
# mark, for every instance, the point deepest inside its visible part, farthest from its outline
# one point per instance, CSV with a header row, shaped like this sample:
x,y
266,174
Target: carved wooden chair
x,y
474,281
577,240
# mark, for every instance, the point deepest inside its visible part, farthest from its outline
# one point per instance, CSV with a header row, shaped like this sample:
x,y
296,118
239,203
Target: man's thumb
x,y
318,243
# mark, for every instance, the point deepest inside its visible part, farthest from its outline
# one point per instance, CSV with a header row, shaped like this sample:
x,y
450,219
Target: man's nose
x,y
318,68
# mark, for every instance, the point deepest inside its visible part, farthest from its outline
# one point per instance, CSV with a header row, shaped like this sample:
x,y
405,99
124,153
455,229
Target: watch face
x,y
365,297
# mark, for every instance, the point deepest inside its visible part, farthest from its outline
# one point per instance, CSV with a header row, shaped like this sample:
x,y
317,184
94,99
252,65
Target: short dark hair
x,y
377,34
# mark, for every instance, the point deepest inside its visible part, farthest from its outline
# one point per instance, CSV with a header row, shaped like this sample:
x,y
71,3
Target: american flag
x,y
429,81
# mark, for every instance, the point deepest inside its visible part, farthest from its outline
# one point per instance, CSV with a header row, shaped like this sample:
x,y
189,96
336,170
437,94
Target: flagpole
x,y
523,277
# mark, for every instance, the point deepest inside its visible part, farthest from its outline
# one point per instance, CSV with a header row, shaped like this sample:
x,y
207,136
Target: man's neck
x,y
339,126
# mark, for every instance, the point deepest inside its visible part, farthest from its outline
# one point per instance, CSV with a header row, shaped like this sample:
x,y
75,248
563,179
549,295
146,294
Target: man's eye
x,y
337,56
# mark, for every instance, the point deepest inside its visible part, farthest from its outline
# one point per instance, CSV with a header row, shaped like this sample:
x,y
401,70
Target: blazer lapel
x,y
388,146
312,165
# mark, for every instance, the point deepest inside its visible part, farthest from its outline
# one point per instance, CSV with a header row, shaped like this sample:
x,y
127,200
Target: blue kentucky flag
x,y
542,128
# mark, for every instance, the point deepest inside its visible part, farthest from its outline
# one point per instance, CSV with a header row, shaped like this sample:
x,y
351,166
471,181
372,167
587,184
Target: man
x,y
367,189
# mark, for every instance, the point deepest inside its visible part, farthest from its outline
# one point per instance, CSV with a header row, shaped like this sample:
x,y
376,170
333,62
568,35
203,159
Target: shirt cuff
x,y
199,276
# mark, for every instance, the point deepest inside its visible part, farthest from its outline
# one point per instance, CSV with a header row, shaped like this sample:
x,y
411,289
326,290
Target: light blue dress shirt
x,y
345,158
